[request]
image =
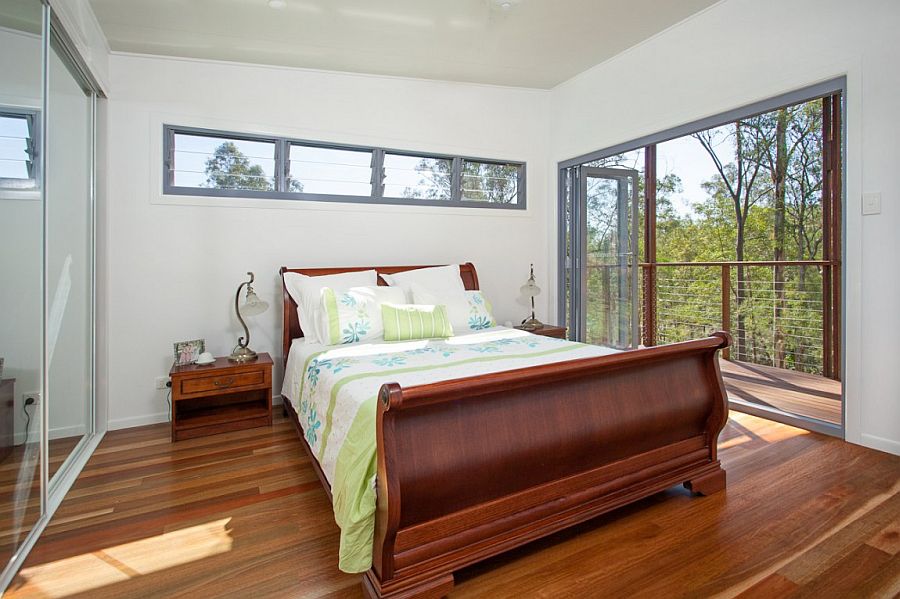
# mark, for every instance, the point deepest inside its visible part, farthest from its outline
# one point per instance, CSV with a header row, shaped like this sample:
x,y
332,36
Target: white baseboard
x,y
66,431
881,443
132,421
55,433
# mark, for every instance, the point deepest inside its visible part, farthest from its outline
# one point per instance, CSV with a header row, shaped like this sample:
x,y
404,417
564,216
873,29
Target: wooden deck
x,y
792,392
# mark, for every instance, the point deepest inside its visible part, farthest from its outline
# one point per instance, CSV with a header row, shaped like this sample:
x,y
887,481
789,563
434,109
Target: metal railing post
x,y
726,305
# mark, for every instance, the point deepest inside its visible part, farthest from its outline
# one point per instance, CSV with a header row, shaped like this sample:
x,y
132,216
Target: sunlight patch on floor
x,y
754,428
108,566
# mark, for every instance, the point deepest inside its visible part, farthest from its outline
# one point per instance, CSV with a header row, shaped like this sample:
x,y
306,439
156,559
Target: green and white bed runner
x,y
335,399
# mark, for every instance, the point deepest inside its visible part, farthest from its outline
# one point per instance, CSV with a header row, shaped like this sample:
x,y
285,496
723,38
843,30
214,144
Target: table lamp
x,y
253,306
530,289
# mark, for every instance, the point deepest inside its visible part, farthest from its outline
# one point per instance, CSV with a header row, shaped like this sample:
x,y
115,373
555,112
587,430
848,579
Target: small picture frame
x,y
187,352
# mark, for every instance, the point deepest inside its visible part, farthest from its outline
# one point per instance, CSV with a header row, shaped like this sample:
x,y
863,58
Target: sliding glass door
x,y
21,259
69,247
601,255
741,232
48,127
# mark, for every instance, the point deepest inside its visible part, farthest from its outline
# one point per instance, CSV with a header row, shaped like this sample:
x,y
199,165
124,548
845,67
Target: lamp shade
x,y
253,306
530,289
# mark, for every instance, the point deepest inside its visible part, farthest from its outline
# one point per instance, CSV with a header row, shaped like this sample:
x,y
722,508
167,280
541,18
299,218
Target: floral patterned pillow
x,y
468,310
354,315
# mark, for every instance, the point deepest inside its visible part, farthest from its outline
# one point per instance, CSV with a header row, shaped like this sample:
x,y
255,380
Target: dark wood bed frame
x,y
470,468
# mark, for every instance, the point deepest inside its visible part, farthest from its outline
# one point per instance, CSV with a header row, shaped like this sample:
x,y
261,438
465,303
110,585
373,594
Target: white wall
x,y
741,51
174,266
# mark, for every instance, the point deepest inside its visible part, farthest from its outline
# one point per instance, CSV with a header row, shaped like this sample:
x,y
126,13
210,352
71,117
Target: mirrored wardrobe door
x,y
21,268
69,250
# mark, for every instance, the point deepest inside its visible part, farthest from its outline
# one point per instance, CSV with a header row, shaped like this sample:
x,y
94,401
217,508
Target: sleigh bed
x,y
568,441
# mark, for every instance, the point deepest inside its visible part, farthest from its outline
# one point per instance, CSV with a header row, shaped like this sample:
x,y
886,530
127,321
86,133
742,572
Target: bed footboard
x,y
470,468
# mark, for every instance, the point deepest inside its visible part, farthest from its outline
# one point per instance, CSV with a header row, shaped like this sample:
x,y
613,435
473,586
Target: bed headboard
x,y
291,321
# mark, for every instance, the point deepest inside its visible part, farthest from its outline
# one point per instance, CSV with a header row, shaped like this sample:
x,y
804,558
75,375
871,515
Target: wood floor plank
x,y
888,538
846,577
242,514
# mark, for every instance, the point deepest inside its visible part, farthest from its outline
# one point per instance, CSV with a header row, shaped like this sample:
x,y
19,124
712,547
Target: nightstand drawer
x,y
223,382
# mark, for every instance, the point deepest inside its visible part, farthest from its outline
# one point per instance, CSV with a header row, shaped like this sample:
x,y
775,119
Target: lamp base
x,y
531,324
242,354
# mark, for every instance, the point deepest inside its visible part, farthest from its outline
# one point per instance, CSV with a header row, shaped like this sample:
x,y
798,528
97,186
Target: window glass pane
x,y
417,177
220,163
489,182
16,161
237,161
634,160
330,171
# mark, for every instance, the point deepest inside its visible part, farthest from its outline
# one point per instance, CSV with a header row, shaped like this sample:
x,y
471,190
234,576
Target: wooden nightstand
x,y
550,330
224,396
7,409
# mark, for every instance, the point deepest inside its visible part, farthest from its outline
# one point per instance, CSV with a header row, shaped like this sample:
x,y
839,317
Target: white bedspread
x,y
333,389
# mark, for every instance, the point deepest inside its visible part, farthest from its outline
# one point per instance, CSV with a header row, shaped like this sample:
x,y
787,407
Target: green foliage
x,y
481,181
229,168
764,203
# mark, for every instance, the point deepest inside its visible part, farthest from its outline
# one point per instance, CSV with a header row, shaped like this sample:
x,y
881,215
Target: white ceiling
x,y
534,43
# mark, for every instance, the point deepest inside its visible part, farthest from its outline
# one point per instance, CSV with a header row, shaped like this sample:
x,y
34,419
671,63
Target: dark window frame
x,y
282,166
32,117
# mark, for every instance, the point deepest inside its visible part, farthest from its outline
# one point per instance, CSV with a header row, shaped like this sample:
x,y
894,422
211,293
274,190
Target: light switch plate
x,y
871,203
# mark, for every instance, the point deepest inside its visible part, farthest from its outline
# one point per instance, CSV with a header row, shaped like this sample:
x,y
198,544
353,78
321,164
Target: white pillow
x,y
306,292
468,310
354,315
437,279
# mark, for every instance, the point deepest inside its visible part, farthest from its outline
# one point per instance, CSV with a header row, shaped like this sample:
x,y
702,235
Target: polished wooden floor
x,y
20,490
791,392
242,515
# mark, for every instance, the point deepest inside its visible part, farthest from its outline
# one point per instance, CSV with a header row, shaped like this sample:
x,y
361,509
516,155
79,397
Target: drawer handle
x,y
224,383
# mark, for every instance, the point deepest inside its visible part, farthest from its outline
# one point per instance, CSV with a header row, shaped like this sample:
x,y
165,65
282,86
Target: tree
x,y
763,203
435,180
738,181
229,168
481,181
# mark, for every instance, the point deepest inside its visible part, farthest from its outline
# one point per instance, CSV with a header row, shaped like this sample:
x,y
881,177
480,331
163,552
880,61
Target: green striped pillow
x,y
403,322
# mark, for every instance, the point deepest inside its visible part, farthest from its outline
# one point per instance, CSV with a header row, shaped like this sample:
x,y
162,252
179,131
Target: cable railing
x,y
775,311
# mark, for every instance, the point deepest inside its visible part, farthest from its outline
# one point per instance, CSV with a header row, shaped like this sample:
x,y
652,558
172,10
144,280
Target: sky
x,y
686,158
321,170
13,133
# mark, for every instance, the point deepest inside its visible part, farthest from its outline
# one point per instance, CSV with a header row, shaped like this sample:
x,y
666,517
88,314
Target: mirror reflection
x,y
21,260
69,264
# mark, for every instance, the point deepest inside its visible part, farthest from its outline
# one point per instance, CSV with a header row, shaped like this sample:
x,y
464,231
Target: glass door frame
x,y
573,246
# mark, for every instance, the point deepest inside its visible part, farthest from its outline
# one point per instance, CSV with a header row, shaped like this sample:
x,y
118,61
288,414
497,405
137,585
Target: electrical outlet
x,y
30,399
162,382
